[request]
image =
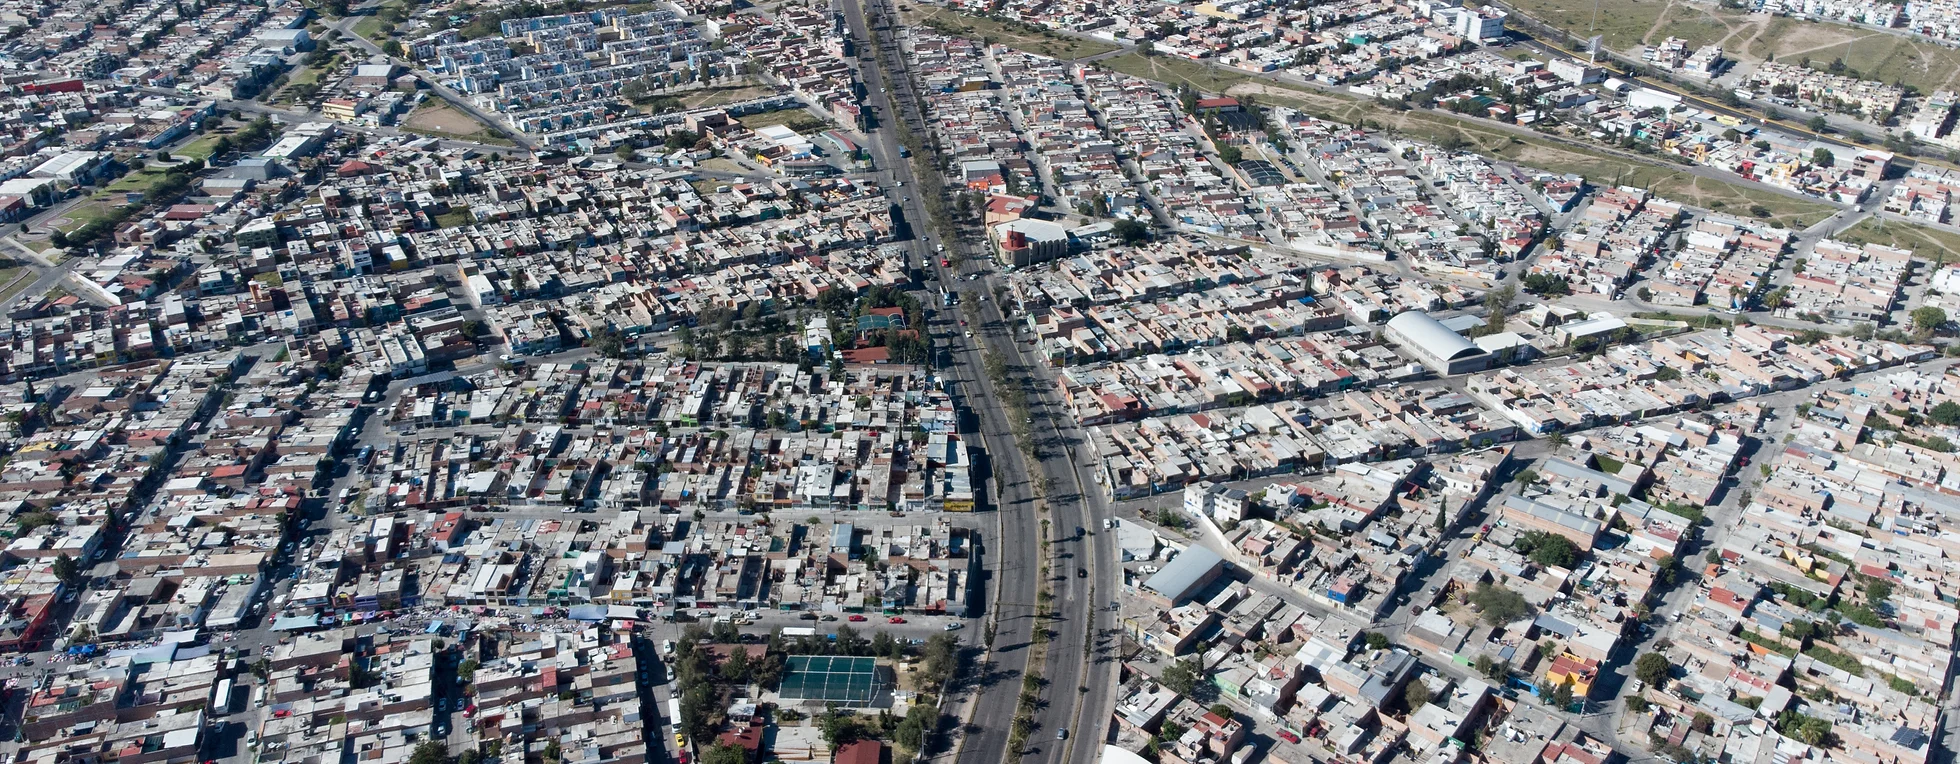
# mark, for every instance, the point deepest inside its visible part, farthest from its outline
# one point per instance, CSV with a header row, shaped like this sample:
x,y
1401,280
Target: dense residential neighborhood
x,y
883,381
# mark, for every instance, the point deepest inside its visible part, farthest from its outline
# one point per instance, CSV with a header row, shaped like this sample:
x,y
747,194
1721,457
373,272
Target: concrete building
x,y
1193,570
1435,345
1219,502
377,76
77,167
1025,242
1483,24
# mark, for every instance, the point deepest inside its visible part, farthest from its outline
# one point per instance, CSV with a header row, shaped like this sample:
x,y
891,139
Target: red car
x,y
470,711
1288,736
857,618
945,263
894,619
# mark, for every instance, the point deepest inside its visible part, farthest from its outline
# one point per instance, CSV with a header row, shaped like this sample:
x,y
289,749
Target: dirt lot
x,y
1033,40
724,96
1628,24
436,116
1530,150
1929,243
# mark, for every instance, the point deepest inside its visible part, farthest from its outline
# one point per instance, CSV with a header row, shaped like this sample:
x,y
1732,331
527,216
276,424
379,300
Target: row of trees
x,y
706,684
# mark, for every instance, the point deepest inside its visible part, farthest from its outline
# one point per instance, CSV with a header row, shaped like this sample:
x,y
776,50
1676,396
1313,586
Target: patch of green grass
x,y
370,27
1897,59
456,216
1929,243
310,74
135,181
1766,43
1623,23
1696,24
1626,24
201,148
13,281
86,213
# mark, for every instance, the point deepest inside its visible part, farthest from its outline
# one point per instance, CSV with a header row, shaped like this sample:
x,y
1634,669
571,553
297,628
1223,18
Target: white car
x,y
955,626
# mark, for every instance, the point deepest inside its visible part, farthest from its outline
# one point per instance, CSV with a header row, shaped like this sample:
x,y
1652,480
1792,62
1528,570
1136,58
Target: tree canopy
x,y
1652,668
1500,605
1548,549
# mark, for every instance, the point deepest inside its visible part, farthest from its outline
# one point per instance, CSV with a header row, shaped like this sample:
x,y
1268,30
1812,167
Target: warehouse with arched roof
x,y
1435,345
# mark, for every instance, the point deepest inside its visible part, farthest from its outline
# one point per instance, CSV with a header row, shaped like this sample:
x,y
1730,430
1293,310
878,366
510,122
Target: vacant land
x,y
456,216
1177,71
442,121
1018,36
372,26
1599,168
702,99
83,214
201,148
13,280
139,180
795,119
1628,24
719,164
1929,243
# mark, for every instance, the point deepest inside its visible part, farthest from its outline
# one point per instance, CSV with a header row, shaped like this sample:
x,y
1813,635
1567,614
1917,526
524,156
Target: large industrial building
x,y
1435,345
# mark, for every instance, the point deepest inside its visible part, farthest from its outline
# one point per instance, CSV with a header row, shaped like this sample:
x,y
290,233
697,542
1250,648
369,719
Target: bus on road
x,y
221,700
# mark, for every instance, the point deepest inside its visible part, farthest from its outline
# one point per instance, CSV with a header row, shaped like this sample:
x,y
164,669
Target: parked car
x,y
894,619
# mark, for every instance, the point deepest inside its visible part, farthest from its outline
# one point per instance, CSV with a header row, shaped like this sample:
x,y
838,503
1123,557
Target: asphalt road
x,y
1296,81
455,99
1015,496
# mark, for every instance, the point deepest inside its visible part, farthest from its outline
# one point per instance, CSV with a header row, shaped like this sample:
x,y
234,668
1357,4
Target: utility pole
x,y
1592,49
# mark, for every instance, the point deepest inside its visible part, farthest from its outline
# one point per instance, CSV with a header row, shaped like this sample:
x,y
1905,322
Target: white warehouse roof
x,y
1431,336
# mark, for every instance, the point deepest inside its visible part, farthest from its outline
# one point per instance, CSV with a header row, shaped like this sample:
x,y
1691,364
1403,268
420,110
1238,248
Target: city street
x,y
1607,706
